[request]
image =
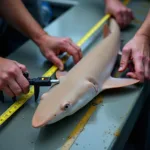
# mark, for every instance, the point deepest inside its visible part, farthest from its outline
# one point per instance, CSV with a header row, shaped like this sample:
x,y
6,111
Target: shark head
x,y
50,111
56,105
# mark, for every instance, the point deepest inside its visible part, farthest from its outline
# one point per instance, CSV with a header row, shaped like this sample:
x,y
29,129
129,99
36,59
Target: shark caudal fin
x,y
118,82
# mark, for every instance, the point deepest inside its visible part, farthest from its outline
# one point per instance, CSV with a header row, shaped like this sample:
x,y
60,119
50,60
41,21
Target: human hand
x,y
137,50
121,13
12,81
53,46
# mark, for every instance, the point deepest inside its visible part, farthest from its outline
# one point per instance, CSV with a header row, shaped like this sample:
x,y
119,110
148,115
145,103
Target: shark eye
x,y
66,106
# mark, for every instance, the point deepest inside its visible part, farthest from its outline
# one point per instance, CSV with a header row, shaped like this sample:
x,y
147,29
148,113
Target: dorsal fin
x,y
60,74
106,31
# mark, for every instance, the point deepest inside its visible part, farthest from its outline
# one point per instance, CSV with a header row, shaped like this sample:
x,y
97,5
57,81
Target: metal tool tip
x,y
55,81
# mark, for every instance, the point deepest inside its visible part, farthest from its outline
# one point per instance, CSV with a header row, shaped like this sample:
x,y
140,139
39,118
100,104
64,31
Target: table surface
x,y
117,112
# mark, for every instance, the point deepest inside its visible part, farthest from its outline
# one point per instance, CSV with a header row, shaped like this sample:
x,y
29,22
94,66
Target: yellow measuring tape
x,y
24,98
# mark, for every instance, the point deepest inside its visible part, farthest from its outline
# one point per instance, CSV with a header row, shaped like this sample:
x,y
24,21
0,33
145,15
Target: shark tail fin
x,y
118,82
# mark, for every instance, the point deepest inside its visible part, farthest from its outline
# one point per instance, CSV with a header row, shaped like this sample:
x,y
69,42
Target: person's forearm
x,y
145,28
15,13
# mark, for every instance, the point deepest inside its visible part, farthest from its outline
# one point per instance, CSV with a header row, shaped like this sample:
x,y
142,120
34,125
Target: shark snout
x,y
40,120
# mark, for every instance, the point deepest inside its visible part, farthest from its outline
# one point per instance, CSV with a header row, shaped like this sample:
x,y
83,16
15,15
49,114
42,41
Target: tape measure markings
x,y
93,30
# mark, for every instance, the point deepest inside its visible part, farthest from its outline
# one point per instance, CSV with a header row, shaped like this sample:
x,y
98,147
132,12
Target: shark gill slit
x,y
90,83
93,82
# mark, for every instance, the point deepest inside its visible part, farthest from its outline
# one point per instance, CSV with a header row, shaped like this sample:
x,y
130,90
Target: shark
x,y
90,76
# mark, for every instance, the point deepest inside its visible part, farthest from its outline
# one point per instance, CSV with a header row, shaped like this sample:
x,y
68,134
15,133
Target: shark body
x,y
83,82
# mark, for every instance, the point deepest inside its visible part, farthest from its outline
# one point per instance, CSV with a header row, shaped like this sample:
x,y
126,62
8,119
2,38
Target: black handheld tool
x,y
40,81
36,82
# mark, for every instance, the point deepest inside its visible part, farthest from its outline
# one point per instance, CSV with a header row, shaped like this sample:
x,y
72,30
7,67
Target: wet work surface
x,y
111,120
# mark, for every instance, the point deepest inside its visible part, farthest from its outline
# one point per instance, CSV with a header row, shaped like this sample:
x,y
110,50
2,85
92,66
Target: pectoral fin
x,y
118,82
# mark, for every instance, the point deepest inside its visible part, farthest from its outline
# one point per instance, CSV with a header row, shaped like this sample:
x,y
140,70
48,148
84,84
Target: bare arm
x,y
145,28
18,16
